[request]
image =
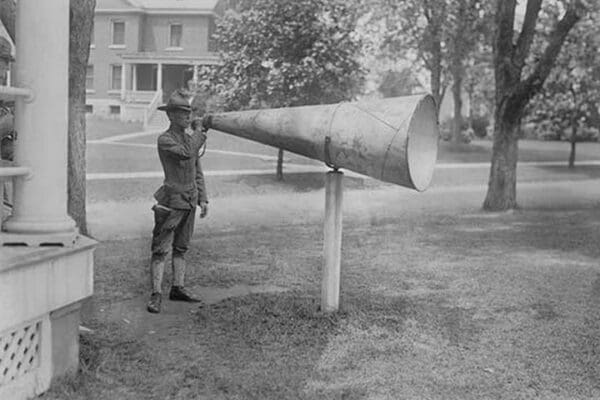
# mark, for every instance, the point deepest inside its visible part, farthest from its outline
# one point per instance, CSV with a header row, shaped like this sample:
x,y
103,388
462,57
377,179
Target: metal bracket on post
x,y
327,155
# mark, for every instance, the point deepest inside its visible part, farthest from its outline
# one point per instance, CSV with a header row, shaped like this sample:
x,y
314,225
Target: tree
x,y
468,28
81,22
81,25
566,108
513,92
398,83
287,53
444,35
415,29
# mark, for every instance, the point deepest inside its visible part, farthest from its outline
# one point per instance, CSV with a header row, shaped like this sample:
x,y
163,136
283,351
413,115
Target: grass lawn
x,y
99,128
529,151
461,306
435,305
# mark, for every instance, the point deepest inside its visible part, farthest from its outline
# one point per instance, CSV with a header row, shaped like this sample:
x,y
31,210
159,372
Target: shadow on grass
x,y
303,182
463,152
562,172
570,231
260,346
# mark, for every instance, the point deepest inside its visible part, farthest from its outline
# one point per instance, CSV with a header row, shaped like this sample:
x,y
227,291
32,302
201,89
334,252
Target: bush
x,y
588,134
547,129
480,123
447,127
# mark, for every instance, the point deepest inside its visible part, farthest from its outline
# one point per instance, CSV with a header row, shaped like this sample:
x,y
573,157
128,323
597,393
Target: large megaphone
x,y
394,140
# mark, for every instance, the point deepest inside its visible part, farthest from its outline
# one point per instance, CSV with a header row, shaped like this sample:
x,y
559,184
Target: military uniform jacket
x,y
183,187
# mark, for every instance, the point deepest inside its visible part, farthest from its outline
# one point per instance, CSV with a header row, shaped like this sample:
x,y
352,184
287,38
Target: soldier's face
x,y
180,118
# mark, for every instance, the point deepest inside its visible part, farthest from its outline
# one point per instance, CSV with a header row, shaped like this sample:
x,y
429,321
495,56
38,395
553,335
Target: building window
x,y
89,108
113,110
175,33
115,77
89,77
118,33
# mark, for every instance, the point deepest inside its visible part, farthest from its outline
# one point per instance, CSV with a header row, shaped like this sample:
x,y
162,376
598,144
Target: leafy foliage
x,y
398,83
566,108
287,53
442,36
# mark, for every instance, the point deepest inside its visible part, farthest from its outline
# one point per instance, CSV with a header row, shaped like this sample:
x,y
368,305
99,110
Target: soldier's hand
x,y
196,124
207,122
203,209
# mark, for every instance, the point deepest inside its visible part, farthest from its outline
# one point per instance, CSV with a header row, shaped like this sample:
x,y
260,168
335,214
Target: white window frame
x,y
114,45
93,38
91,88
111,72
169,46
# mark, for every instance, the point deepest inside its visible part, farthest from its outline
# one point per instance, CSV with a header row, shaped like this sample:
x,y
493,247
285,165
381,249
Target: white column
x,y
159,76
40,200
195,75
332,246
123,81
134,77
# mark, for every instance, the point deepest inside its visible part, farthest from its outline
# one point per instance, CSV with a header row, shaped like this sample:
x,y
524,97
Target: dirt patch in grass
x,y
440,306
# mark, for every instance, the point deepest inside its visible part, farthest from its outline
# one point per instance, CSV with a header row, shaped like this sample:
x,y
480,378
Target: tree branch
x,y
527,32
532,84
427,11
503,45
505,21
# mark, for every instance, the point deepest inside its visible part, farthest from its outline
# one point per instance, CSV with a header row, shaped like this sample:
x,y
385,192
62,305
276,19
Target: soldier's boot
x,y
178,293
157,267
154,304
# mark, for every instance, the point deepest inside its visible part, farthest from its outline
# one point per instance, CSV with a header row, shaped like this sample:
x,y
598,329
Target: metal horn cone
x,y
393,140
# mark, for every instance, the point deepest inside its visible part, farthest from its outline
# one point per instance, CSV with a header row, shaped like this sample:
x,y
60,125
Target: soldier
x,y
183,189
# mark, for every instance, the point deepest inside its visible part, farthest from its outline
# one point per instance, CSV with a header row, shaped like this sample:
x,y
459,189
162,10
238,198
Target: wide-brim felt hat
x,y
177,101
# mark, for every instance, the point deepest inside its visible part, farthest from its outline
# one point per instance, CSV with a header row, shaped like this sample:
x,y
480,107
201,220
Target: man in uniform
x,y
182,190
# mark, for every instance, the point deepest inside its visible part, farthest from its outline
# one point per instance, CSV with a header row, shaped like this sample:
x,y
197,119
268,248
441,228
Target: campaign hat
x,y
177,101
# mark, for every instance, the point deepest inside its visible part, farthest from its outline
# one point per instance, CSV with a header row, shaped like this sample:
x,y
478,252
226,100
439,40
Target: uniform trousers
x,y
173,229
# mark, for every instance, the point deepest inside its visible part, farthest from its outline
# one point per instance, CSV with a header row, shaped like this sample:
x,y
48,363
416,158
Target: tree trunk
x,y
436,75
572,154
456,94
81,24
502,187
280,165
573,141
470,90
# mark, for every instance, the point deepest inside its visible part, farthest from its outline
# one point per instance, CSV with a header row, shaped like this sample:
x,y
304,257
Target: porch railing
x,y
9,169
151,108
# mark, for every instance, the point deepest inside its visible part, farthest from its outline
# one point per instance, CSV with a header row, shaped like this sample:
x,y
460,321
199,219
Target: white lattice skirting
x,y
19,352
25,359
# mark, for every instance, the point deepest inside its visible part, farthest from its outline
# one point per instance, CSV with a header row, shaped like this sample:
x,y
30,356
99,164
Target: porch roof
x,y
164,7
161,58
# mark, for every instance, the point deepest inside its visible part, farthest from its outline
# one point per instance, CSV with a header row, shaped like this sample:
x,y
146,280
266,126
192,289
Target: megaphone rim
x,y
422,144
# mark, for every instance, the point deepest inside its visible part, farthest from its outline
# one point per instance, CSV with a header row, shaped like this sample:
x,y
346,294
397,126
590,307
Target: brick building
x,y
142,50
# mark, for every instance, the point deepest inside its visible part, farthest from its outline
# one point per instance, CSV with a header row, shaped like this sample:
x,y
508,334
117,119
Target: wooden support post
x,y
330,289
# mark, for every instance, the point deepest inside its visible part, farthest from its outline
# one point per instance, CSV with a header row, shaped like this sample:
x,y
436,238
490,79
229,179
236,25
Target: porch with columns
x,y
46,266
147,79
